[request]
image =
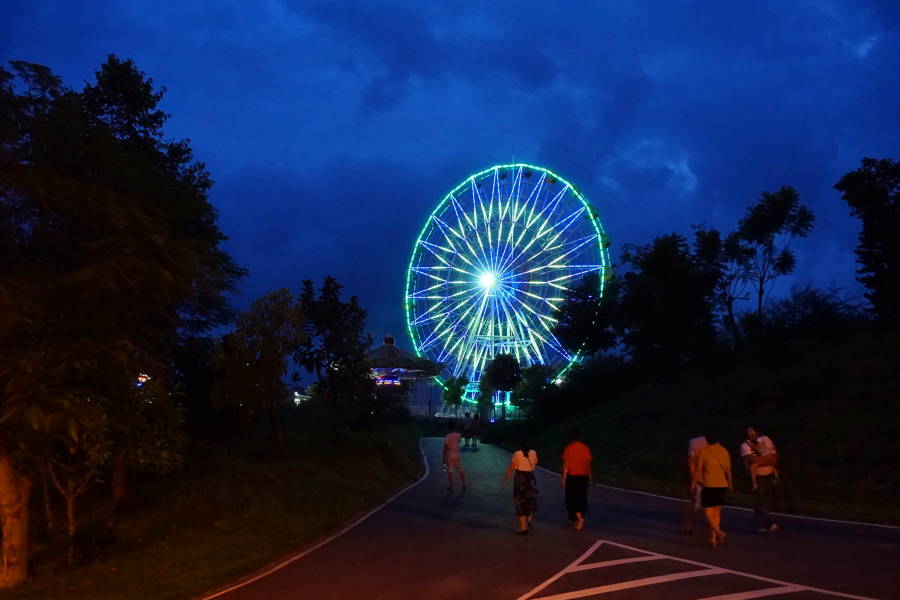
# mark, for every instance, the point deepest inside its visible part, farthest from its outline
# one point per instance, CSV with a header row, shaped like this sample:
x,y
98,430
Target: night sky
x,y
333,128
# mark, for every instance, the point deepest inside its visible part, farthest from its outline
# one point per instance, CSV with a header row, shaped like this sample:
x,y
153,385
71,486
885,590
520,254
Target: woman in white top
x,y
525,490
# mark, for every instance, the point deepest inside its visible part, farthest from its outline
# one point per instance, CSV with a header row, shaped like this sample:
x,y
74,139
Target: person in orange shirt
x,y
713,472
576,476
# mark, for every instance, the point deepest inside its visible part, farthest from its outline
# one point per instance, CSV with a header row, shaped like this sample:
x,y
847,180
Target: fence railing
x,y
439,410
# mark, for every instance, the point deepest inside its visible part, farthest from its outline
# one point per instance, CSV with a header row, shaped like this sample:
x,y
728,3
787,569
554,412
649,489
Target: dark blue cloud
x,y
333,128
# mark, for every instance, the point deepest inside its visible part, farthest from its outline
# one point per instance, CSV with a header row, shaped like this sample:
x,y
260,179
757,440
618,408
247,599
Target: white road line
x,y
563,572
775,591
338,534
625,585
742,574
612,563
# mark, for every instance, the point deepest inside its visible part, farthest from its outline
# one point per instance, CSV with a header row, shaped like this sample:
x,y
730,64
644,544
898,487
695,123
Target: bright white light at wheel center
x,y
488,280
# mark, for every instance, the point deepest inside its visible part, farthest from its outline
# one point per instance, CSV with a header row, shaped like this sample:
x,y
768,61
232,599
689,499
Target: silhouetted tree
x,y
503,373
251,362
536,389
108,249
873,194
766,233
585,321
728,262
335,349
813,313
667,303
454,388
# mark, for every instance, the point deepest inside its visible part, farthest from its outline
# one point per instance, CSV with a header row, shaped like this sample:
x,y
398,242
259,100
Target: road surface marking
x,y
757,577
625,585
335,535
612,563
775,591
781,587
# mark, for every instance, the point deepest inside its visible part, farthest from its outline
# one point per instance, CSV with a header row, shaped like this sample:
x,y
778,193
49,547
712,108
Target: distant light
x,y
488,280
492,419
142,379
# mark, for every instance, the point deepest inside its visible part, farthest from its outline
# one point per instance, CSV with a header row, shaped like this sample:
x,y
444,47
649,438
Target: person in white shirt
x,y
525,492
693,494
759,456
451,455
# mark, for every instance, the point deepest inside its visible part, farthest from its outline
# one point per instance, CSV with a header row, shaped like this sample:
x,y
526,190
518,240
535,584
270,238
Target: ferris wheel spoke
x,y
446,229
578,245
451,328
533,197
551,206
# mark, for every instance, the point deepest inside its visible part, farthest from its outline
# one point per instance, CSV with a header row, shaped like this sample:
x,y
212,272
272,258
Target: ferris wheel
x,y
493,263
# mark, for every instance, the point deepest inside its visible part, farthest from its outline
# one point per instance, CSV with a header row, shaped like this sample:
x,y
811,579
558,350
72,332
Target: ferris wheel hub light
x,y
488,280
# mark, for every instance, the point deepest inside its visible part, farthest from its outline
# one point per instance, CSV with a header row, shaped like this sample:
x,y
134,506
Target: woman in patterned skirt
x,y
525,491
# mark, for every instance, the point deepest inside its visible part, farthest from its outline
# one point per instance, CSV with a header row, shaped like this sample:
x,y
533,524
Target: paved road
x,y
433,544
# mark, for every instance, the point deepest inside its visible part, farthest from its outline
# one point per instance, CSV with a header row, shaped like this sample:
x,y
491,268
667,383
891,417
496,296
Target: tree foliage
x,y
536,389
502,374
727,261
251,362
334,349
667,310
454,389
585,321
766,233
108,249
873,194
810,312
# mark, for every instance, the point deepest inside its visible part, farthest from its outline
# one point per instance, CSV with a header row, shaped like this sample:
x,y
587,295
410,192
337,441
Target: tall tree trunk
x,y
46,492
732,325
119,481
70,514
15,490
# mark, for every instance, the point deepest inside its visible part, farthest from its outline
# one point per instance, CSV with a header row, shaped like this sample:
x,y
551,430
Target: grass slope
x,y
192,532
832,409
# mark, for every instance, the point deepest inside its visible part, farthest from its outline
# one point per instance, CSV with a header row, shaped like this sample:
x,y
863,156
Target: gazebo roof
x,y
407,365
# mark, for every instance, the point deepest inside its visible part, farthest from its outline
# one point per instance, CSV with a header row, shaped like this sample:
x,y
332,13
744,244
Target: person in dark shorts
x,y
476,430
714,474
467,428
576,477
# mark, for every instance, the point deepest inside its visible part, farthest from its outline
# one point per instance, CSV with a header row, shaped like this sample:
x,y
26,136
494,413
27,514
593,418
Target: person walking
x,y
476,430
714,474
693,492
467,429
576,476
525,492
759,456
451,455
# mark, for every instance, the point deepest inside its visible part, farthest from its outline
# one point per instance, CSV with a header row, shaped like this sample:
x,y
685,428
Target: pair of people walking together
x,y
576,477
711,480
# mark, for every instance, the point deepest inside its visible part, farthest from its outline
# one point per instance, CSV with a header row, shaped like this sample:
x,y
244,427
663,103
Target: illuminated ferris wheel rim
x,y
486,275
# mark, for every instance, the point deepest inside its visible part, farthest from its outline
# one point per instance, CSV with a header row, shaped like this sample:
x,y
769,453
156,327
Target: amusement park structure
x,y
493,263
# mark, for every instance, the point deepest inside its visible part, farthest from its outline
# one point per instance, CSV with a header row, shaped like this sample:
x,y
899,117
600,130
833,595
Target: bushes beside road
x,y
216,520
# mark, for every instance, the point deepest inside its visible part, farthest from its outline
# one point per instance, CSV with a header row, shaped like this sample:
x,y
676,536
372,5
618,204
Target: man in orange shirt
x,y
576,476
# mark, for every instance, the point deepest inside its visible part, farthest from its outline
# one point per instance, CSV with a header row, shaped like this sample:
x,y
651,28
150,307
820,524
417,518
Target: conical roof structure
x,y
400,363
